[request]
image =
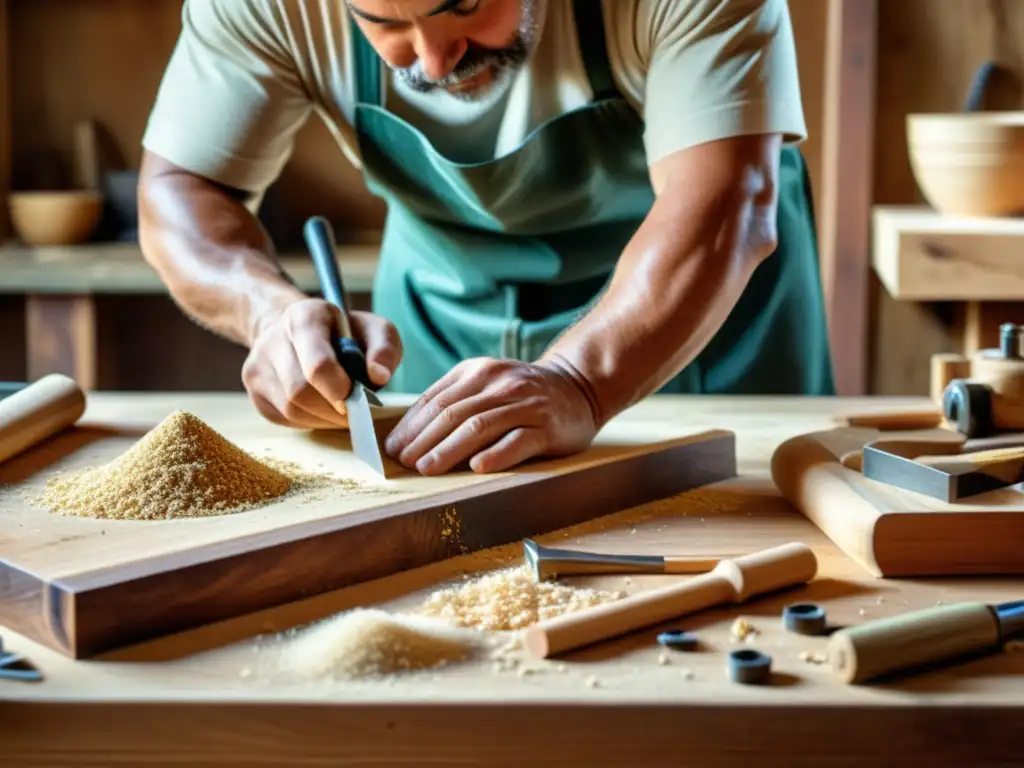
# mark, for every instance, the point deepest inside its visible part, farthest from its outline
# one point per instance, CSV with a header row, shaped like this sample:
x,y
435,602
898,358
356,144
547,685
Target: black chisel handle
x,y
322,247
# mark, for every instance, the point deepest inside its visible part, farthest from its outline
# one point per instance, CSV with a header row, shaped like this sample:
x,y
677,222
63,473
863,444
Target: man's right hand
x,y
292,374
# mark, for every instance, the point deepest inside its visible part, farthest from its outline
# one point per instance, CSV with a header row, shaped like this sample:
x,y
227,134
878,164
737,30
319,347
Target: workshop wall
x,y
928,51
103,59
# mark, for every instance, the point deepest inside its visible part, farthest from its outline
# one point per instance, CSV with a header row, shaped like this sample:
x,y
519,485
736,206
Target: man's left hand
x,y
495,414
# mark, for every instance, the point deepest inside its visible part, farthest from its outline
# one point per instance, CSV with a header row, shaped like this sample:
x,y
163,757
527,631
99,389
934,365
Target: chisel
x,y
321,243
914,640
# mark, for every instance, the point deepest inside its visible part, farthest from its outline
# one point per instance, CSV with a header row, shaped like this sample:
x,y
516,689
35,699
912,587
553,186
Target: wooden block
x,y
894,532
83,586
920,255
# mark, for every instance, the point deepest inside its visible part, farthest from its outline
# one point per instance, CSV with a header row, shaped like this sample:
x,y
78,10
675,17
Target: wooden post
x,y
61,337
5,119
847,180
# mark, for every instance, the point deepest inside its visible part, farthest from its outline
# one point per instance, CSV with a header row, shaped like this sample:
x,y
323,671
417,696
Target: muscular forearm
x,y
676,282
211,251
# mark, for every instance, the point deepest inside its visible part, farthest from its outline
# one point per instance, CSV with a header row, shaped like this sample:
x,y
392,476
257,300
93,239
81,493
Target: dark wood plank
x,y
150,598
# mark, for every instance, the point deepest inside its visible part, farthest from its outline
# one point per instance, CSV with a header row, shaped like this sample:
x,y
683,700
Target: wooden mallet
x,y
732,581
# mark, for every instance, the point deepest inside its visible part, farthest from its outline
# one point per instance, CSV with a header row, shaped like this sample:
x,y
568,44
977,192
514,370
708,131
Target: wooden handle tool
x,y
40,410
731,581
912,640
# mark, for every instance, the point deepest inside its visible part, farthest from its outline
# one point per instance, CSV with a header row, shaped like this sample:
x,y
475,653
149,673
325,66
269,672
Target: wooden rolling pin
x,y
40,410
731,581
912,640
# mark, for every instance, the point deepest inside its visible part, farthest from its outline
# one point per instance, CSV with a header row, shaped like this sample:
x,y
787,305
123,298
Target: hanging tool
x,y
915,640
33,412
548,563
322,247
731,581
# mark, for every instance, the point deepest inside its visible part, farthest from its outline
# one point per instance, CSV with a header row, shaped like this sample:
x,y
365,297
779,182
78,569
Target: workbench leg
x,y
61,337
980,320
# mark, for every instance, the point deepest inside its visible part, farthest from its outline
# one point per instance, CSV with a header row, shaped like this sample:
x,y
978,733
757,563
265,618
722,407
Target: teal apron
x,y
497,258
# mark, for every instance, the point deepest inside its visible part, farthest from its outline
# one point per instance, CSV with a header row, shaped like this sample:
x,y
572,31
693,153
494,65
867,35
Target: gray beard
x,y
504,61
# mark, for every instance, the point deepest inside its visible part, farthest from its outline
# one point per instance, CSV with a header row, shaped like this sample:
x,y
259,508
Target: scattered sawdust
x,y
451,530
509,599
182,468
742,630
371,643
813,658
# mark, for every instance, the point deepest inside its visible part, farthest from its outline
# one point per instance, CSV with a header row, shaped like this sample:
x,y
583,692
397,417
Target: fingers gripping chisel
x,y
321,243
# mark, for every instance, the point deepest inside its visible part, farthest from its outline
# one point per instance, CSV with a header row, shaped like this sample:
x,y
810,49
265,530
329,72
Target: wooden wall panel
x,y
928,52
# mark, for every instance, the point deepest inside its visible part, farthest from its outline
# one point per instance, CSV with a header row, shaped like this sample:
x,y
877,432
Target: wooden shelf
x,y
921,255
118,268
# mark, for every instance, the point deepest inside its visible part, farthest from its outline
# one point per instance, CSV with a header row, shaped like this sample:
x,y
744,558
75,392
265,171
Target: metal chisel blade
x,y
361,429
907,474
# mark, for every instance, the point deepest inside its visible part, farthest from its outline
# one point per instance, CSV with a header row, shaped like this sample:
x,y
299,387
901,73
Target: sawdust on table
x,y
182,468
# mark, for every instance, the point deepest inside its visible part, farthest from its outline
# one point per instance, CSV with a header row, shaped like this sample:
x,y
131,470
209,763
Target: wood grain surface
x,y
84,585
891,531
211,697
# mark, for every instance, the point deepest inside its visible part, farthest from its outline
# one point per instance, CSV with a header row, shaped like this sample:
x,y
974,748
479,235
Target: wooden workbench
x,y
199,698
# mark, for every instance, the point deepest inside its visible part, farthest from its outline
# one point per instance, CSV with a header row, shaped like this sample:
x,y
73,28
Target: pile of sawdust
x,y
370,643
181,468
508,600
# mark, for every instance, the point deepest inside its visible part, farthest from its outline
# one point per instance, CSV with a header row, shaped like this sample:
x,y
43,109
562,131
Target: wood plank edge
x,y
908,544
37,609
146,606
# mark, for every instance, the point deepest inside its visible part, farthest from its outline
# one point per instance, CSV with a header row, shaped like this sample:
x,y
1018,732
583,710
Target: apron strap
x,y
594,48
367,66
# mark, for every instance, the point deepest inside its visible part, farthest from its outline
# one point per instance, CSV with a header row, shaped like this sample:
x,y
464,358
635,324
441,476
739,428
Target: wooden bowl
x,y
55,218
969,164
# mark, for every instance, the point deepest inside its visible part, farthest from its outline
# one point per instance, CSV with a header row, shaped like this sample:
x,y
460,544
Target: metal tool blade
x,y
361,429
547,562
906,473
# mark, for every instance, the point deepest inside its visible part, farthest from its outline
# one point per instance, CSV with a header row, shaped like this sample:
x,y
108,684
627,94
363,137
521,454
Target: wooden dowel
x,y
693,564
37,412
734,580
868,651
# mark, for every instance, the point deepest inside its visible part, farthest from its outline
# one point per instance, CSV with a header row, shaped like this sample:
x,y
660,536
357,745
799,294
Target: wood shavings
x,y
809,657
742,630
508,600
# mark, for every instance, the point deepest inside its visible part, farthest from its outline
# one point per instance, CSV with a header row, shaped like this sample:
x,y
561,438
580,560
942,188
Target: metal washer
x,y
805,619
749,666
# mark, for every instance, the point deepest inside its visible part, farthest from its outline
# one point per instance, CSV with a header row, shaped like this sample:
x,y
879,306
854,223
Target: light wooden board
x,y
891,531
84,585
920,255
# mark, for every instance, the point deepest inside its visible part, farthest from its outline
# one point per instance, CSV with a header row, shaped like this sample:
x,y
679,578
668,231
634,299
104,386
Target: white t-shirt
x,y
247,74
